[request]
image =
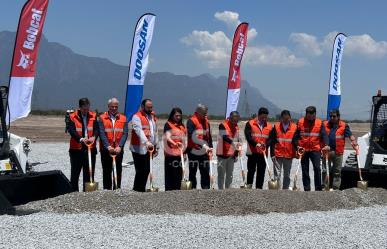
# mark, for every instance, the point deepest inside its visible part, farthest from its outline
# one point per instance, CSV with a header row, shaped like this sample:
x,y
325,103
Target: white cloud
x,y
274,56
307,43
366,45
228,17
363,45
231,19
215,48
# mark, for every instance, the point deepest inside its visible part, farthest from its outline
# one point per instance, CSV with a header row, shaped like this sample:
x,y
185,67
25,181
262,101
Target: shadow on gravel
x,y
212,202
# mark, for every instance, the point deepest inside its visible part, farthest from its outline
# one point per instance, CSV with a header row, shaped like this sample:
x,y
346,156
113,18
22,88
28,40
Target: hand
x,y
179,145
155,153
207,148
354,144
149,145
91,140
111,150
117,150
326,148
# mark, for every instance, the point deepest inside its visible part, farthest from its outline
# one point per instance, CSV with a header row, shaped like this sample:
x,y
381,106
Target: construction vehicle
x,y
19,184
372,158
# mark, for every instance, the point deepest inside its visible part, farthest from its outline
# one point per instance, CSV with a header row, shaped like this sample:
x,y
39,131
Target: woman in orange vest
x,y
257,133
83,129
113,134
175,141
311,136
337,130
282,148
227,149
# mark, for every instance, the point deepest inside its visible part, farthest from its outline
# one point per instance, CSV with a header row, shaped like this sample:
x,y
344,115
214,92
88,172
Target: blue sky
x,y
289,46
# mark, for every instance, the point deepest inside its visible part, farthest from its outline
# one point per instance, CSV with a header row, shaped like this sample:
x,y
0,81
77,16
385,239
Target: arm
x,y
223,133
248,136
273,141
124,136
137,128
348,133
209,136
102,135
95,129
296,137
324,135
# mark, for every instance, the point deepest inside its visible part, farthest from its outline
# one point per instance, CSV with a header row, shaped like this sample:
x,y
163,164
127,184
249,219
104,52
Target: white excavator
x,y
372,155
19,184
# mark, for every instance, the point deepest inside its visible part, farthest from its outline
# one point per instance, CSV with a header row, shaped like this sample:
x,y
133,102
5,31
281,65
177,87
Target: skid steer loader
x,y
19,184
373,151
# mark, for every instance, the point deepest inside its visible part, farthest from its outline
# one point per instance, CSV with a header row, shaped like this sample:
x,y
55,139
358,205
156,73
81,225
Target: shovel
x,y
212,177
360,184
185,183
300,153
273,184
151,188
327,177
114,171
243,171
90,186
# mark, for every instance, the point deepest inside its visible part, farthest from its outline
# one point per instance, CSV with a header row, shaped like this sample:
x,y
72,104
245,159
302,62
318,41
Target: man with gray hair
x,y
199,146
113,129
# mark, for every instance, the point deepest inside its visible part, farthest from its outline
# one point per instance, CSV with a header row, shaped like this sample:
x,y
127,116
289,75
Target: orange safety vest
x,y
135,140
224,148
91,117
113,134
178,133
310,138
284,147
259,136
340,138
200,133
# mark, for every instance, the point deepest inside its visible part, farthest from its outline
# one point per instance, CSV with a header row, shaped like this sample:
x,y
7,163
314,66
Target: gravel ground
x,y
206,219
358,228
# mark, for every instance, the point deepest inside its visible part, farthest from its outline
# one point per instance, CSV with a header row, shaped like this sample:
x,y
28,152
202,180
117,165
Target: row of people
x,y
194,141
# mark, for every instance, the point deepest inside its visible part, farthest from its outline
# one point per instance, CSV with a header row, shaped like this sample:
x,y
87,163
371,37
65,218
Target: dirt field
x,y
52,128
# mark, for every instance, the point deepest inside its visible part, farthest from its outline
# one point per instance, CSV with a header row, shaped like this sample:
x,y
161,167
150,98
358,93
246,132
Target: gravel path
x,y
358,228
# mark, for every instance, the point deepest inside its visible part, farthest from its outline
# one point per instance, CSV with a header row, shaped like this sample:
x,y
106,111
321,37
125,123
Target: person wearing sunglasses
x,y
337,130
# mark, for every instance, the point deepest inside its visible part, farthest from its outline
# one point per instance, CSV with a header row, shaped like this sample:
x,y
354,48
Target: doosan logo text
x,y
336,69
33,29
140,51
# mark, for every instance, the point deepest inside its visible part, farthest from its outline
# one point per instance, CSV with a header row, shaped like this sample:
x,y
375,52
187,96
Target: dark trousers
x,y
142,166
315,157
204,167
256,162
172,172
79,161
107,169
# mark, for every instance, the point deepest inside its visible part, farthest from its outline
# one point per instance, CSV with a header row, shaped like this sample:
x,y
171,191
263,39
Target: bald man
x,y
113,134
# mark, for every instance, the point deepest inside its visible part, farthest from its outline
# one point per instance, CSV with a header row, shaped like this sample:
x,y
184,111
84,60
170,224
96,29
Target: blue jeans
x,y
315,157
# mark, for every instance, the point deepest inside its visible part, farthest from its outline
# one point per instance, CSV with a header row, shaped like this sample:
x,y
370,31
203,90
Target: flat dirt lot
x,y
52,128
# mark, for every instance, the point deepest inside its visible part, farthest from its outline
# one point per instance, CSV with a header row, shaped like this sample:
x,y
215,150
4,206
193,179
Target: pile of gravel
x,y
212,202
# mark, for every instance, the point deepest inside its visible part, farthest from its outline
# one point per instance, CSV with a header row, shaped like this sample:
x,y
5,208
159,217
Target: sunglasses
x,y
333,116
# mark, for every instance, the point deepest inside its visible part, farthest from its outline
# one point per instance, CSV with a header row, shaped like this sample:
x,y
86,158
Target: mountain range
x,y
64,76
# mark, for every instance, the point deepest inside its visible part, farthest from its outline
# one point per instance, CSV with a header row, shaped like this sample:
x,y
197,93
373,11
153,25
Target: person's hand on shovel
x,y
261,147
326,148
111,150
117,150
